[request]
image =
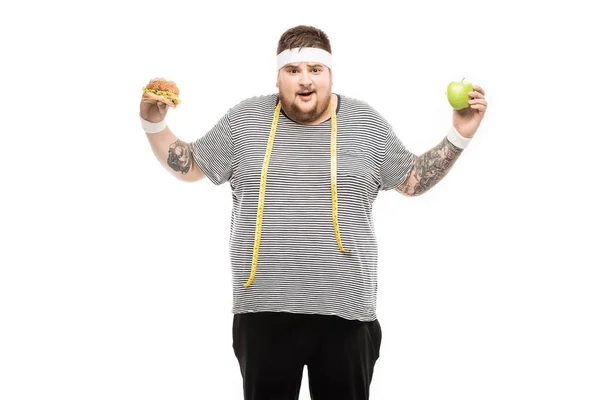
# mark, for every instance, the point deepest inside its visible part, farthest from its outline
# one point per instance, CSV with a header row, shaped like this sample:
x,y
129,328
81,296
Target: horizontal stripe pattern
x,y
300,267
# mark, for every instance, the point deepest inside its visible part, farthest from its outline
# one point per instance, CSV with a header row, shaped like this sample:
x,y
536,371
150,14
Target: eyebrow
x,y
309,65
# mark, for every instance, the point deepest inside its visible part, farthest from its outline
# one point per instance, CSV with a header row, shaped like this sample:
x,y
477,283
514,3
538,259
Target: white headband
x,y
304,54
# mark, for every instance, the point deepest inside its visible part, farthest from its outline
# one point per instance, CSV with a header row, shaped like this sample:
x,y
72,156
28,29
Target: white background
x,y
115,281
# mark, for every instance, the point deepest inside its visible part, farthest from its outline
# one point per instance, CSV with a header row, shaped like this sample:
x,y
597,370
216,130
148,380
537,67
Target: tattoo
x,y
430,168
180,157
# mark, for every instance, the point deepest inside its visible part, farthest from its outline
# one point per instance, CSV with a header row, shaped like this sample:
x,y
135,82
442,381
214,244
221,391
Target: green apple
x,y
458,94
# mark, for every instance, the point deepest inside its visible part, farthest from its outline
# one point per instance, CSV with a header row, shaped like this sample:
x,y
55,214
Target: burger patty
x,y
170,95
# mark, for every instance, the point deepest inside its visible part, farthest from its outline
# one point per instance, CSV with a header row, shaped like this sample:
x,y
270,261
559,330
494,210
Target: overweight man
x,y
305,165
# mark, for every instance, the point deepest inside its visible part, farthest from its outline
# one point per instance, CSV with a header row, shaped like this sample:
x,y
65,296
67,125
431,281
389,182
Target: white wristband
x,y
153,127
456,139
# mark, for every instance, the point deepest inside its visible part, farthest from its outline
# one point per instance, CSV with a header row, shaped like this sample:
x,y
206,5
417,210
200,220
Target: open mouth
x,y
305,95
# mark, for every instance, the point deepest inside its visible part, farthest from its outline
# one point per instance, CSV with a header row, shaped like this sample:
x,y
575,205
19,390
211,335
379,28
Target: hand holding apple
x,y
458,94
469,106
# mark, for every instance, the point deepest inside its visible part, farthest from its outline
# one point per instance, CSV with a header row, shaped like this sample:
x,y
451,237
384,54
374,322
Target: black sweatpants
x,y
272,349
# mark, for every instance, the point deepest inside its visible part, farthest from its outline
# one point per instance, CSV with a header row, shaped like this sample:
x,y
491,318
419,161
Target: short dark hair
x,y
303,36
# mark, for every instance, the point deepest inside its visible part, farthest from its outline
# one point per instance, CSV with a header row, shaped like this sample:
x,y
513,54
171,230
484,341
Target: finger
x,y
478,101
479,89
476,95
479,107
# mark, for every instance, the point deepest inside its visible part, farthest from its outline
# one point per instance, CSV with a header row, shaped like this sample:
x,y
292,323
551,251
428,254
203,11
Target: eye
x,y
316,70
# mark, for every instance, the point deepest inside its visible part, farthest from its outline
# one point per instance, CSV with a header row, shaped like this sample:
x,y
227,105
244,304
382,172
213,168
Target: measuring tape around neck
x,y
263,187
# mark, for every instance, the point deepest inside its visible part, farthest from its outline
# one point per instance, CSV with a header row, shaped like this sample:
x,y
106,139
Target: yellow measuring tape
x,y
263,187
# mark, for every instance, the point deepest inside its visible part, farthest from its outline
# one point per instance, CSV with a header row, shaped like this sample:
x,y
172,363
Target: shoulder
x,y
253,106
357,110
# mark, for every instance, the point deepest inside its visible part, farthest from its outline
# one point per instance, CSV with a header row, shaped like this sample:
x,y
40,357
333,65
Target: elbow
x,y
417,194
407,193
189,177
183,178
193,175
411,190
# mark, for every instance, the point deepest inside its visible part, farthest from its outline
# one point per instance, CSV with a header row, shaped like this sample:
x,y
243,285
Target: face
x,y
305,91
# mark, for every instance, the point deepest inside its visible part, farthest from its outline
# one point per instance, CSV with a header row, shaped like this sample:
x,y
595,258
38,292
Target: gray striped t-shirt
x,y
300,267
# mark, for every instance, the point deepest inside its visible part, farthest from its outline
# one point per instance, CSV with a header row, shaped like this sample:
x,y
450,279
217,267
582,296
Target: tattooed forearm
x,y
430,168
180,157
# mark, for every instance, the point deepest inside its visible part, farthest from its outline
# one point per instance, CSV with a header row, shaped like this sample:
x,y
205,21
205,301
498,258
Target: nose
x,y
305,78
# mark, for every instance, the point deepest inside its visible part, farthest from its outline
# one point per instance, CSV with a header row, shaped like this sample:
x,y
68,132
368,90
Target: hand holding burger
x,y
160,89
159,94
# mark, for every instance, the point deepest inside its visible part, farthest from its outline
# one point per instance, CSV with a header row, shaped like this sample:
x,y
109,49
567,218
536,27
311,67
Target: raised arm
x,y
173,154
432,166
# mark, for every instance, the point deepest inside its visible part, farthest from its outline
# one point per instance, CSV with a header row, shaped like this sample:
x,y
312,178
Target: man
x,y
305,166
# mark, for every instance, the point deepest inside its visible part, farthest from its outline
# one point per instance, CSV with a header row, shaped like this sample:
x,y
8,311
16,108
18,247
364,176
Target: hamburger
x,y
161,90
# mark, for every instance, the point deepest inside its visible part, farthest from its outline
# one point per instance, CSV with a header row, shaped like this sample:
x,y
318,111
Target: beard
x,y
304,117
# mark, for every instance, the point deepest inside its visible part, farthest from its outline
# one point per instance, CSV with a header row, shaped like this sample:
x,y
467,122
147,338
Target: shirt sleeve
x,y
397,162
213,152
